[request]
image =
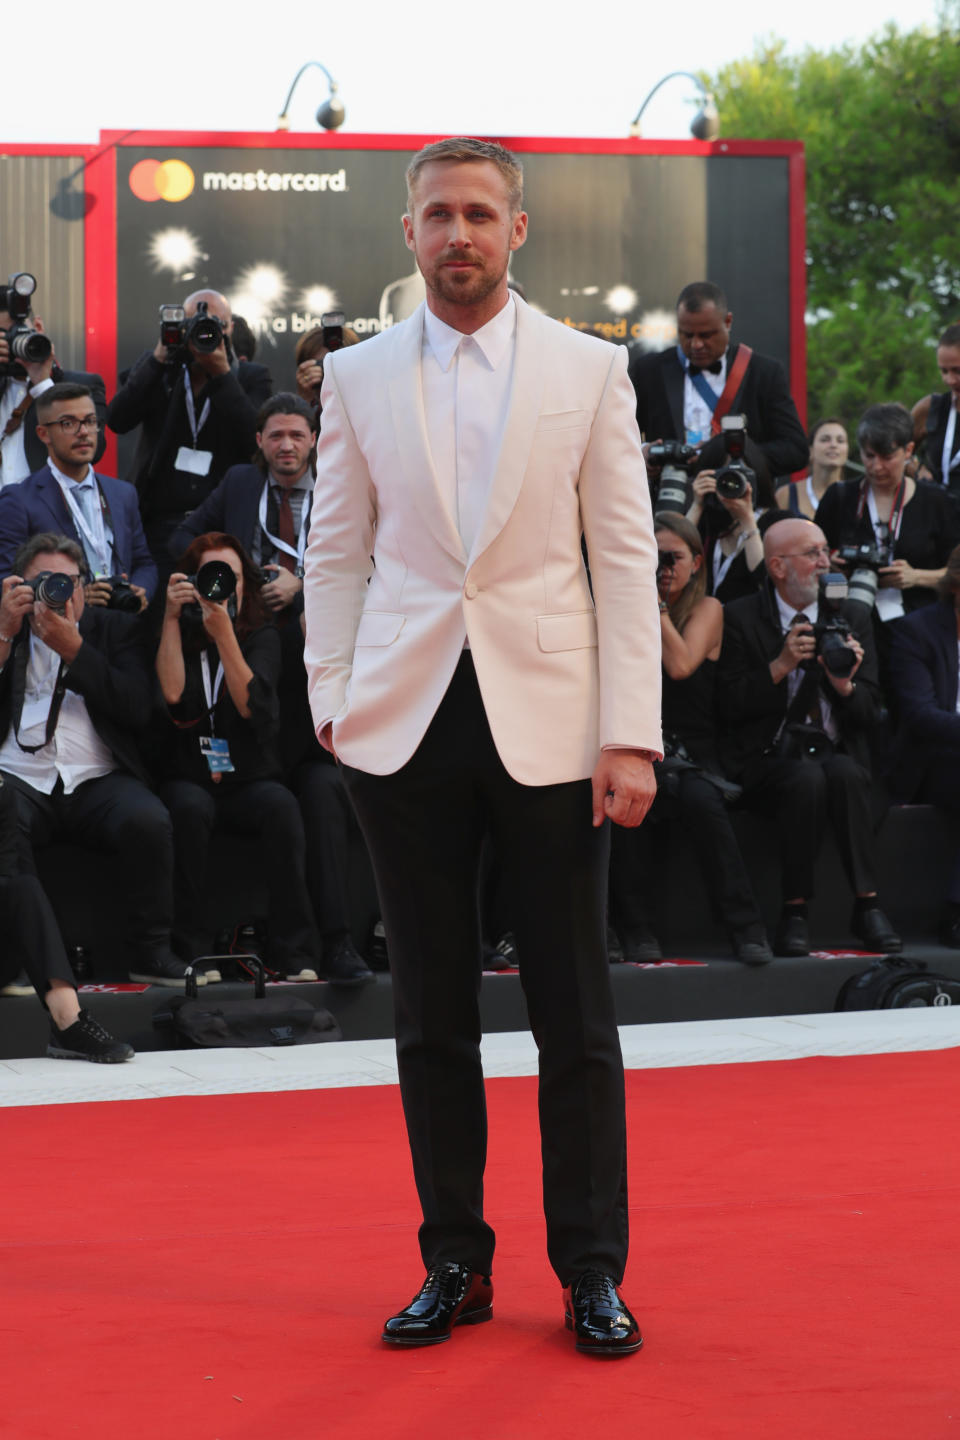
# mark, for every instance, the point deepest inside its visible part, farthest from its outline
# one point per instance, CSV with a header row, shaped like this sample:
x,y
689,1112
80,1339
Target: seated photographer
x,y
32,939
727,520
935,428
309,356
829,452
24,376
889,533
218,664
76,693
795,729
926,760
68,497
197,409
689,780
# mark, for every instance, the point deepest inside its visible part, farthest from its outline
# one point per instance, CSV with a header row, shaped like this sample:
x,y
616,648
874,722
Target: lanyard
x,y
812,495
948,461
279,544
95,540
195,425
211,692
722,562
53,714
896,514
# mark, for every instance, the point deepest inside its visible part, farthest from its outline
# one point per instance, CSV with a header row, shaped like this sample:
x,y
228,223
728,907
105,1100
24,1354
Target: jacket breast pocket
x,y
562,420
379,627
574,631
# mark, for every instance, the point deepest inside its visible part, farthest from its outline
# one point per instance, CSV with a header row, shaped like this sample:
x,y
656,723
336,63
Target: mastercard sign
x,y
161,180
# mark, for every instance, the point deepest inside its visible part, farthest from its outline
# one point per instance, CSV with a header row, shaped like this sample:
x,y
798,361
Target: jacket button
x,y
470,591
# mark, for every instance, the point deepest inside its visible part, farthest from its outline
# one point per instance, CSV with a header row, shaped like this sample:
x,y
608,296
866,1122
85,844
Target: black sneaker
x,y
343,965
640,947
86,1039
19,984
166,971
503,956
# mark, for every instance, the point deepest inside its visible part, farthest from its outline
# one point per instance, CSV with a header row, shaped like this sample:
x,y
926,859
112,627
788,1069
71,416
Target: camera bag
x,y
199,1022
893,983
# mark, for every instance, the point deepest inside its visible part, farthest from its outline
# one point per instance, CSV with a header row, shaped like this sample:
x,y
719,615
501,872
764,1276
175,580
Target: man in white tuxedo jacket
x,y
469,681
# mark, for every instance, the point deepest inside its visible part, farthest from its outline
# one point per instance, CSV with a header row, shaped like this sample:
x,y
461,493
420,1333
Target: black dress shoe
x,y
792,936
595,1312
875,931
450,1295
343,965
640,947
751,949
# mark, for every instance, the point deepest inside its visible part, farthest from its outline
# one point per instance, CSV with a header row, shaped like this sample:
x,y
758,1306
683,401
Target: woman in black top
x,y
691,628
936,421
912,523
218,666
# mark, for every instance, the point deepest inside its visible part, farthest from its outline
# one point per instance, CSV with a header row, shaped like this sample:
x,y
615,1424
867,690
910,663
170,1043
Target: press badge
x,y
216,752
194,462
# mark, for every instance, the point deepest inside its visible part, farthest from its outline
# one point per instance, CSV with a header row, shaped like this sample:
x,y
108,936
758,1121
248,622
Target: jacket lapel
x,y
526,399
48,489
405,387
673,386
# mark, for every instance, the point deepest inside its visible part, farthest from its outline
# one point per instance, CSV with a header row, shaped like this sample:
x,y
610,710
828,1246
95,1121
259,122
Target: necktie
x,y
809,687
285,530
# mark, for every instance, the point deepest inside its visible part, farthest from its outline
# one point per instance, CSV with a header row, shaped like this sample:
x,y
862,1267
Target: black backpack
x,y
892,983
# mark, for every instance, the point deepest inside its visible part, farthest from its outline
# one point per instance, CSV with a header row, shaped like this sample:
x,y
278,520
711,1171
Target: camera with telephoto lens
x,y
832,627
53,588
674,494
202,333
27,345
123,597
331,326
216,582
865,558
735,479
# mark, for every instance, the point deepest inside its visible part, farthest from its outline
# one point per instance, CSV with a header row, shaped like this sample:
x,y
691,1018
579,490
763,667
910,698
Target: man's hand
x,y
162,353
326,738
58,631
799,646
279,592
898,576
843,684
309,380
98,592
38,370
16,600
624,787
213,363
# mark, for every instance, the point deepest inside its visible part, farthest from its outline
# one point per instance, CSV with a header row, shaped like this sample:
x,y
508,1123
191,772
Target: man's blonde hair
x,y
461,150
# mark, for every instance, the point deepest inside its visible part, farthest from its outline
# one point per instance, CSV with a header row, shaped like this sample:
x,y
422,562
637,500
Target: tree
x,y
881,127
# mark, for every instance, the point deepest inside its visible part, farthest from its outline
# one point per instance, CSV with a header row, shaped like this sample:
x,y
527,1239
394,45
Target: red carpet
x,y
218,1268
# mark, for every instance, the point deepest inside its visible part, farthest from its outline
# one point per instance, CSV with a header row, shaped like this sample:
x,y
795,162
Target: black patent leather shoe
x,y
594,1310
450,1295
874,930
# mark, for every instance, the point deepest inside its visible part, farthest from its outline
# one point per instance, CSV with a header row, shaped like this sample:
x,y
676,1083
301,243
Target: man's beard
x,y
464,287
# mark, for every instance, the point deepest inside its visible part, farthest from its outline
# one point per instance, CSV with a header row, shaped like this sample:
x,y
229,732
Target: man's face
x,y
461,230
52,562
799,558
286,443
70,432
703,335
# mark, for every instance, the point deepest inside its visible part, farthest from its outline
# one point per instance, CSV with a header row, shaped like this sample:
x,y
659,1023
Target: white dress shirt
x,y
697,415
466,398
96,532
13,451
74,753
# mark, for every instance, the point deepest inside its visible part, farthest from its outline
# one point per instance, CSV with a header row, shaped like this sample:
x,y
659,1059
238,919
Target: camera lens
x,y
30,346
55,590
216,581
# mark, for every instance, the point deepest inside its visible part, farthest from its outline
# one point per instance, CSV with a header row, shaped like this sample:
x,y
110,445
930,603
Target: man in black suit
x,y
249,503
75,692
796,736
680,389
198,416
21,385
926,760
68,497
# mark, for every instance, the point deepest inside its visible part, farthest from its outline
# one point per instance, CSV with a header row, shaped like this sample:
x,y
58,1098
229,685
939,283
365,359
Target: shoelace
x,y
92,1027
594,1288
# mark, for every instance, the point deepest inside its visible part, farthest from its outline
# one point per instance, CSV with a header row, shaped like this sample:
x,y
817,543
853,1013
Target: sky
x,y
424,67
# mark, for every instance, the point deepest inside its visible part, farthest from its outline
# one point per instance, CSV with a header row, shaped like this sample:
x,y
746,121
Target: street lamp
x,y
705,124
331,114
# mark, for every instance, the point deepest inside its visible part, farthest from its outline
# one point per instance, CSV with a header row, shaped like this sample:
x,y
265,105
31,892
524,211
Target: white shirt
x,y
15,465
697,415
466,398
97,540
794,679
75,752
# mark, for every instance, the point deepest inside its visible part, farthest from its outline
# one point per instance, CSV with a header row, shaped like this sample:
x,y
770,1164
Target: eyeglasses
x,y
813,553
71,425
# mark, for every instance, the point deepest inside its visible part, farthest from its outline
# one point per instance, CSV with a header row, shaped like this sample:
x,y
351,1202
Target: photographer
x,y
23,381
75,696
68,496
218,664
795,730
309,356
888,525
727,520
935,427
197,408
689,780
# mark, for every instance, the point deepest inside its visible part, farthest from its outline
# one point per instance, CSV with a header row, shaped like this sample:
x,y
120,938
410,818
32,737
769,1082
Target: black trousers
x,y
31,936
803,796
118,814
264,808
425,826
328,821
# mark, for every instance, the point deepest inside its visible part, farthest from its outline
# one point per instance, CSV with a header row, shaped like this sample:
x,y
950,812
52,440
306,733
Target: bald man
x,y
197,409
797,736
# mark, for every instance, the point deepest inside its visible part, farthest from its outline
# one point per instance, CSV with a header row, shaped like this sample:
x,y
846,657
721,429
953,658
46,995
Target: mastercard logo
x,y
161,180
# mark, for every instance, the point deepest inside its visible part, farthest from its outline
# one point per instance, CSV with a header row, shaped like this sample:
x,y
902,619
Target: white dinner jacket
x,y
391,594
